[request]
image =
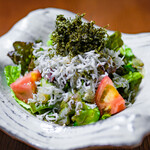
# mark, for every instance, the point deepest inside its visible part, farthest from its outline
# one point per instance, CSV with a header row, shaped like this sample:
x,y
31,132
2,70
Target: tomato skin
x,y
119,104
108,98
106,80
25,86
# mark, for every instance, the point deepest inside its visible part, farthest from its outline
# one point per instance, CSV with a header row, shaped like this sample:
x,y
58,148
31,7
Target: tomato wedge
x,y
25,86
108,98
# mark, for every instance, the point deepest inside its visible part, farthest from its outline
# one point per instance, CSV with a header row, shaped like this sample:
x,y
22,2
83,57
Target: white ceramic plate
x,y
124,129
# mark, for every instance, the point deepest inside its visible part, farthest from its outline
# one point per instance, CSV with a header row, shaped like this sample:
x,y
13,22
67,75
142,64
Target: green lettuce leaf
x,y
114,41
12,73
105,116
137,64
134,79
50,42
129,68
132,63
126,51
40,107
132,76
64,116
86,116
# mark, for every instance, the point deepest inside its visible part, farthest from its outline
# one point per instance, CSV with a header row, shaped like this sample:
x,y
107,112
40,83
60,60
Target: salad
x,y
80,76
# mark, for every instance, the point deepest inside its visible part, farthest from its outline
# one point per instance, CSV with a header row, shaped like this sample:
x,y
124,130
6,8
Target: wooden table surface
x,y
128,16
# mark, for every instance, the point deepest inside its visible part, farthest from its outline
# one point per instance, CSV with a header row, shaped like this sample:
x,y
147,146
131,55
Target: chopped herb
x,y
72,36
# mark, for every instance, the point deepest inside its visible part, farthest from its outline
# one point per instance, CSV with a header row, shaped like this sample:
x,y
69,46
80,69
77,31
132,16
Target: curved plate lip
x,y
134,142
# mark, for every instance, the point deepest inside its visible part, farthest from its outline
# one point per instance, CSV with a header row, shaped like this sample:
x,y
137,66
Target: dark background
x,y
128,16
